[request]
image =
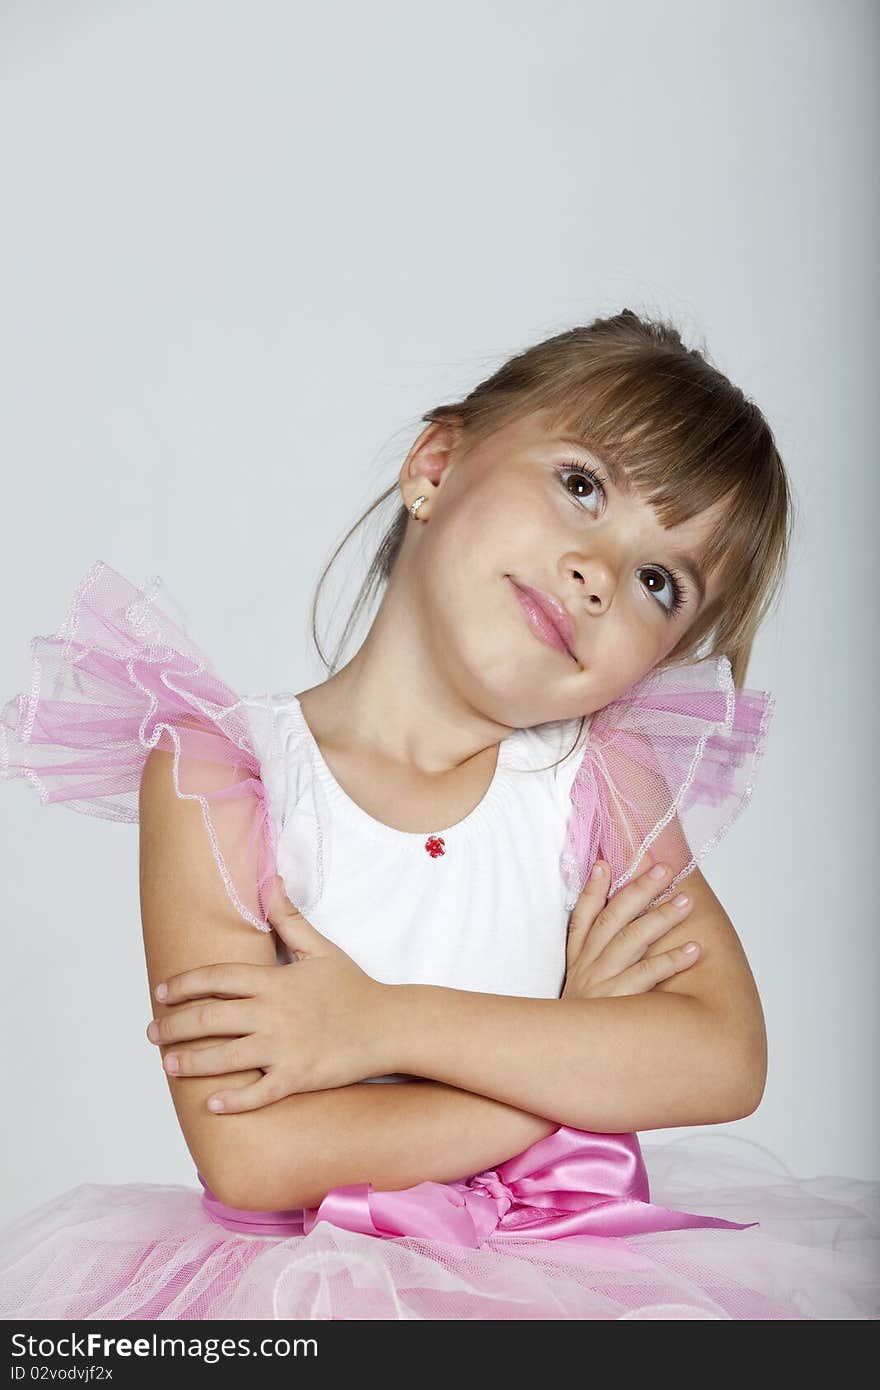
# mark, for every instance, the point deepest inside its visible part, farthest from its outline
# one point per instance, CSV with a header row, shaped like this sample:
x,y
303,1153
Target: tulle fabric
x,y
120,678
148,1251
553,1228
667,769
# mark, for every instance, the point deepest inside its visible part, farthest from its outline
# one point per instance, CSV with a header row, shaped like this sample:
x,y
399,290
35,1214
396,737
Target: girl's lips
x,y
546,616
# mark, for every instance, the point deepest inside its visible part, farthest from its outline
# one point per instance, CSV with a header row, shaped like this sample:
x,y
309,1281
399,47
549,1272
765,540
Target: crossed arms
x,y
691,1051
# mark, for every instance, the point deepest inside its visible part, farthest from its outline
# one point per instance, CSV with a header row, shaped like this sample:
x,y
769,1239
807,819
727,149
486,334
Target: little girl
x,y
481,827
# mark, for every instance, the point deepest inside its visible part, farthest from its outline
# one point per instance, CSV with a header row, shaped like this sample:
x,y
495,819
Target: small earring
x,y
413,511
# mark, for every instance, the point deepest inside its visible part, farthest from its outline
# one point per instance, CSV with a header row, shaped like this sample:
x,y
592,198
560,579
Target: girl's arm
x,y
291,1153
510,1069
691,1051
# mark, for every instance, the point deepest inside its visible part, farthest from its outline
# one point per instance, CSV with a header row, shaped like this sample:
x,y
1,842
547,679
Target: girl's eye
x,y
584,475
671,584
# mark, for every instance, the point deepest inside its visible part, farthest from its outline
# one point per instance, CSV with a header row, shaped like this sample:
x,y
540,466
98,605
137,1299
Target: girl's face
x,y
523,507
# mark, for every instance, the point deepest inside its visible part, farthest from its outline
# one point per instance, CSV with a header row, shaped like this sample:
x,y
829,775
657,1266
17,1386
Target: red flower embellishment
x,y
435,845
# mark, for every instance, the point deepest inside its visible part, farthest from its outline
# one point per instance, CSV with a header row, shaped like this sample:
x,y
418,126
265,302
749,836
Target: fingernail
x,y
682,900
153,1031
598,871
215,1103
658,871
172,1063
161,991
691,948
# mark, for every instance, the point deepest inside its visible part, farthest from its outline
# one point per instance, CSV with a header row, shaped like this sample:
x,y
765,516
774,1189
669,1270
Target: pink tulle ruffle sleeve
x,y
666,770
120,678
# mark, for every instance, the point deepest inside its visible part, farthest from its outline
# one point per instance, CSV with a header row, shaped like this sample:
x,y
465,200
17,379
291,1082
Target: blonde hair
x,y
684,437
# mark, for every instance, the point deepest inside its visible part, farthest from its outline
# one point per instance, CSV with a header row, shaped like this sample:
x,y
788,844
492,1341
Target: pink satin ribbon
x,y
571,1185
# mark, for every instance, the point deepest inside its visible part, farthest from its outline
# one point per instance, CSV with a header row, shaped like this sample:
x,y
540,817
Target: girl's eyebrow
x,y
621,482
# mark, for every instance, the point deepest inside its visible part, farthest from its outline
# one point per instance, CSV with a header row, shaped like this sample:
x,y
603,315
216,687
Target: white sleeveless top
x,y
479,905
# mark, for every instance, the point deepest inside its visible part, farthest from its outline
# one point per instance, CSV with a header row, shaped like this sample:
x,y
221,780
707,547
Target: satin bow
x,y
571,1185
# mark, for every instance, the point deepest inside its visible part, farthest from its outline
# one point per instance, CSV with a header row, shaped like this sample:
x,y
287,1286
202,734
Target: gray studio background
x,y
244,247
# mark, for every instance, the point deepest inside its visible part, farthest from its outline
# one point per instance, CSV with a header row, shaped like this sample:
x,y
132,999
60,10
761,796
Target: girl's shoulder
x,y
296,799
280,741
668,768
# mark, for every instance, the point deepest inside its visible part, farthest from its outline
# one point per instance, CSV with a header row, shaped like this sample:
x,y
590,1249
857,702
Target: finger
x,y
280,906
630,942
295,930
252,1097
648,972
239,1054
219,1018
233,979
626,904
586,909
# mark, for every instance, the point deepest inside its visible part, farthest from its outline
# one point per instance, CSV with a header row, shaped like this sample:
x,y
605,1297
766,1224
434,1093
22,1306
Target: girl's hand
x,y
310,1025
605,951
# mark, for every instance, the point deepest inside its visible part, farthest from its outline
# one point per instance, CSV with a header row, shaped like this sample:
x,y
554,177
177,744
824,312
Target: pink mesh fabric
x,y
150,1251
666,770
119,679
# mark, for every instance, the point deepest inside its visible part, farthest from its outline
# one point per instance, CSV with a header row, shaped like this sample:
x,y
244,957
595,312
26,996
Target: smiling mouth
x,y
541,617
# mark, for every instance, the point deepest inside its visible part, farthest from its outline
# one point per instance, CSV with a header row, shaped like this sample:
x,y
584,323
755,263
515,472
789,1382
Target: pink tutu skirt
x,y
145,1251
